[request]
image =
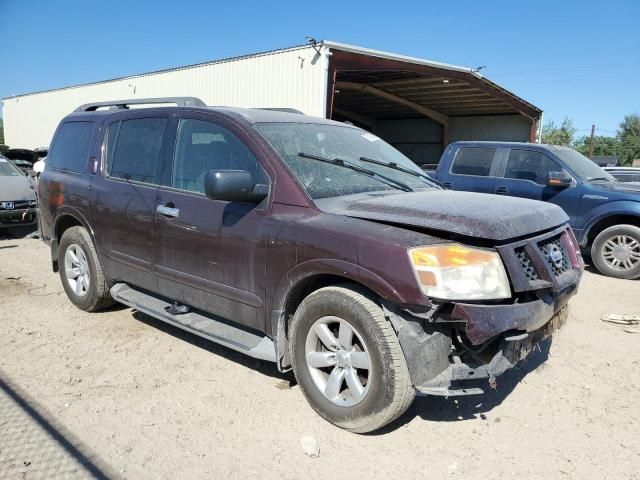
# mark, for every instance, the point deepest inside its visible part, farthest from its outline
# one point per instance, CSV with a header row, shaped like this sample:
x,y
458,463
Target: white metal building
x,y
417,105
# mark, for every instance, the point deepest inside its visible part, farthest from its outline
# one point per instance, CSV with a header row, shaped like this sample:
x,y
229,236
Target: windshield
x,y
295,142
582,166
8,170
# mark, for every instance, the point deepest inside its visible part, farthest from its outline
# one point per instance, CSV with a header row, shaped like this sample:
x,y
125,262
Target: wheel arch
x,y
64,219
309,277
605,221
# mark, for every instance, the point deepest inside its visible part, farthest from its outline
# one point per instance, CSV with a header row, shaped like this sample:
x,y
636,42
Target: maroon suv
x,y
306,242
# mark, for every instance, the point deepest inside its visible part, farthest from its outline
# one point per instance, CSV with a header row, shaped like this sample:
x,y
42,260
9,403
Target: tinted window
x,y
203,146
530,165
134,148
473,161
71,147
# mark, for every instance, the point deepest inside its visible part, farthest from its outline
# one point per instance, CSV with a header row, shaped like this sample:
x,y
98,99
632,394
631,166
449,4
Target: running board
x,y
235,338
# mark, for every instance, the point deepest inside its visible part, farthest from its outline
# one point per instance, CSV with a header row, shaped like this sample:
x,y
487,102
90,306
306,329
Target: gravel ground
x,y
141,399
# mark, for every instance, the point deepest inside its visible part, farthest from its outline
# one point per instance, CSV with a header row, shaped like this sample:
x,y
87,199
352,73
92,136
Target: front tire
x,y
616,252
347,359
80,271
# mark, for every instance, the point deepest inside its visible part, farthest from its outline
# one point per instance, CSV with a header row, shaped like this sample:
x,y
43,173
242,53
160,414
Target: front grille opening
x,y
527,264
555,254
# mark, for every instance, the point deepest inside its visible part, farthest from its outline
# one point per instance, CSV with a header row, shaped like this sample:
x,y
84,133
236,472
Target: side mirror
x,y
559,179
233,186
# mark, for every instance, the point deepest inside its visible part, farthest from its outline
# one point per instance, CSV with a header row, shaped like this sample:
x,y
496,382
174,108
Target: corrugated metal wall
x,y
420,139
499,128
293,78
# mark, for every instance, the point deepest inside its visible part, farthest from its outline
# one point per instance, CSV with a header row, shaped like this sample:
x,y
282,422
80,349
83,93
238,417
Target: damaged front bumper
x,y
455,343
453,380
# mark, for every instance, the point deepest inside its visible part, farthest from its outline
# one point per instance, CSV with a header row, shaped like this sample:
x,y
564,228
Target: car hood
x,y
16,188
622,187
476,215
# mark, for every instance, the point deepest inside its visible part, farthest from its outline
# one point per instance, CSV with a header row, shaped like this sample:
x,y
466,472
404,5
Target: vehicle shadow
x,y
266,368
430,408
472,407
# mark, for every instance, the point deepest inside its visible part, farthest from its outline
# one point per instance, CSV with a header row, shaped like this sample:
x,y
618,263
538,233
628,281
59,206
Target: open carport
x,y
420,106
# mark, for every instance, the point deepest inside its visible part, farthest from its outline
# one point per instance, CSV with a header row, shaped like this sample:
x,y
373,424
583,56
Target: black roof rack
x,y
124,104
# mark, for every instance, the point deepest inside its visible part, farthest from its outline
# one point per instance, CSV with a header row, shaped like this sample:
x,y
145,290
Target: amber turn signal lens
x,y
449,256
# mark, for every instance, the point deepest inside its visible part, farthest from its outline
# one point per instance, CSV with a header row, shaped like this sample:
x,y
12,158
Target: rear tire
x,y
80,271
616,252
374,387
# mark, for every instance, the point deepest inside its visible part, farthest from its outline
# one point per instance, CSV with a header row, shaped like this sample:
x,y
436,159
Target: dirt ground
x,y
144,400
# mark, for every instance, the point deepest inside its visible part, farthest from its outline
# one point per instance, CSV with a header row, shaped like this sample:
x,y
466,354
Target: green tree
x,y
601,145
1,131
629,137
562,135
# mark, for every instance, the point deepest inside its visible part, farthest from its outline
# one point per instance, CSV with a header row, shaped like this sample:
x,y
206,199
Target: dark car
x,y
603,212
18,206
22,158
305,242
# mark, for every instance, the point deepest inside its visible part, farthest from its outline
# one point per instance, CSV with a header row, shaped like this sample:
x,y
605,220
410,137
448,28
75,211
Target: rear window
x,y
71,147
473,161
134,148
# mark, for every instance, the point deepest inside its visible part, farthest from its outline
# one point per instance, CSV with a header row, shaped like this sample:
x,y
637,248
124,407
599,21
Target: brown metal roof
x,y
441,88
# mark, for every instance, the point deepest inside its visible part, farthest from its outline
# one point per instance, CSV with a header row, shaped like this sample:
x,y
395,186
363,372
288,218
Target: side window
x,y
71,147
473,161
133,148
202,146
530,165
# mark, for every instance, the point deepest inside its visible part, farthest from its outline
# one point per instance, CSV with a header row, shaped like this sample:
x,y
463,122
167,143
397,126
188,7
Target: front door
x,y
209,253
526,173
125,195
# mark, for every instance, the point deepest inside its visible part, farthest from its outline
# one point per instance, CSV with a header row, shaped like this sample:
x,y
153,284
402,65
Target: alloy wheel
x,y
338,361
621,252
76,269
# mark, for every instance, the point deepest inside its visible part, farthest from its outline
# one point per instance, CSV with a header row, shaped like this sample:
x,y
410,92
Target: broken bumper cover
x,y
18,217
451,382
484,322
436,369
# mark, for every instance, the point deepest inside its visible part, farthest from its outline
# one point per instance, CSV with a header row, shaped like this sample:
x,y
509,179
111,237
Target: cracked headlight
x,y
457,272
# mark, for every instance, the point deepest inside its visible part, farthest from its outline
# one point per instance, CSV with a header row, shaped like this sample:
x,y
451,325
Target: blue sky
x,y
575,59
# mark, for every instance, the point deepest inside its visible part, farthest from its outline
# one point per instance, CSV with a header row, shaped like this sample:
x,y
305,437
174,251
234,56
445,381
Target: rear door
x,y
473,169
524,173
124,206
209,253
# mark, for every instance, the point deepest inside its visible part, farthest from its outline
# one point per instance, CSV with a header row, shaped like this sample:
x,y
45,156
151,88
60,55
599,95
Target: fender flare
x,y
619,207
303,271
341,268
68,211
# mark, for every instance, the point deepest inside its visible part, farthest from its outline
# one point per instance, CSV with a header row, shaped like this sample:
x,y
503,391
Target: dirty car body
x,y
319,213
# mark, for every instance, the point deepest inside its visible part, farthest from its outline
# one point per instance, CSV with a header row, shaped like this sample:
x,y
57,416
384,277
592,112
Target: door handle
x,y
168,210
447,185
502,190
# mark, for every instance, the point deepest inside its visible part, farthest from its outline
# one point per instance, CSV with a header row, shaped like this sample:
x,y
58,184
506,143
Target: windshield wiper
x,y
400,168
356,168
600,178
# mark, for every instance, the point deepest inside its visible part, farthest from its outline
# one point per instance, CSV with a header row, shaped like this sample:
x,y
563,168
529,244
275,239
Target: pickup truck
x,y
603,212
